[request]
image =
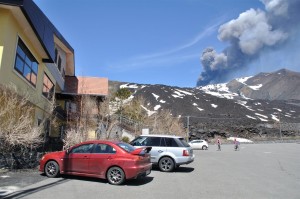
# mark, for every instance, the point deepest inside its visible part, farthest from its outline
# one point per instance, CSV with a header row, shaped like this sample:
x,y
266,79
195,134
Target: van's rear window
x,y
182,140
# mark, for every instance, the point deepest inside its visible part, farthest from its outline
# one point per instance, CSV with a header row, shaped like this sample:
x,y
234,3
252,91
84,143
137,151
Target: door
x,y
155,142
157,148
78,159
101,158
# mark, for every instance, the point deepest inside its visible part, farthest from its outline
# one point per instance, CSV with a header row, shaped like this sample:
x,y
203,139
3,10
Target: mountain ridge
x,y
242,106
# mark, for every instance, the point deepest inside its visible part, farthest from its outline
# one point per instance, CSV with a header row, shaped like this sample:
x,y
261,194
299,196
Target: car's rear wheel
x,y
115,176
52,169
204,147
166,164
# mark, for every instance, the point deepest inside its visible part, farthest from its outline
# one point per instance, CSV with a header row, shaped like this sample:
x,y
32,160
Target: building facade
x,y
37,59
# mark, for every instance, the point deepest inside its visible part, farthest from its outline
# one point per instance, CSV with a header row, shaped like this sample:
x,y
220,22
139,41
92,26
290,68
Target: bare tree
x,y
163,122
160,122
106,121
134,110
17,128
82,121
73,137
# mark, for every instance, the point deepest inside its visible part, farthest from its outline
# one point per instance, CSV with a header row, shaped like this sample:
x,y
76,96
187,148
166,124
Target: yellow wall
x,y
61,103
10,31
91,134
1,52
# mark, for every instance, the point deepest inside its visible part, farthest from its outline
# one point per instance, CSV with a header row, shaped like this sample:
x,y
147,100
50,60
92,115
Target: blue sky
x,y
143,41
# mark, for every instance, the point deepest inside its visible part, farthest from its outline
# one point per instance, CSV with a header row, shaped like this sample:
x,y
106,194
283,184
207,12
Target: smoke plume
x,y
252,33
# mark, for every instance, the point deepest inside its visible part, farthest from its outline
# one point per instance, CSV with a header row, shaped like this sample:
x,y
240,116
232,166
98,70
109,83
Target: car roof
x,y
161,135
98,141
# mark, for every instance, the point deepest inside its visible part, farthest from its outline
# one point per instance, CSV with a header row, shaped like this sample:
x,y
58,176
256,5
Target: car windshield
x,y
127,147
184,143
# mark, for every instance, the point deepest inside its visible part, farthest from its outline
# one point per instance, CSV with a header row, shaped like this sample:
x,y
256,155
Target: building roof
x,y
86,86
41,25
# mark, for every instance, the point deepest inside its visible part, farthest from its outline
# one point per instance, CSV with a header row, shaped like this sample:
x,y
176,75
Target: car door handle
x,y
109,158
160,151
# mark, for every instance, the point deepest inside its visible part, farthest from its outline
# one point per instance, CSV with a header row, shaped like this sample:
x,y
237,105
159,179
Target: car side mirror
x,y
68,151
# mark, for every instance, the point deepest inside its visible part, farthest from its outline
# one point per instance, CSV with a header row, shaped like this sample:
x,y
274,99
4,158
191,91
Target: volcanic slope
x,y
242,101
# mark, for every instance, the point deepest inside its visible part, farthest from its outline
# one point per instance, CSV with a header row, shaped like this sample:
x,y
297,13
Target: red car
x,y
114,161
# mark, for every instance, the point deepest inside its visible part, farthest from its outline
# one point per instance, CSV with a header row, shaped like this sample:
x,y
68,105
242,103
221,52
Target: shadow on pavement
x,y
177,170
130,182
184,170
27,192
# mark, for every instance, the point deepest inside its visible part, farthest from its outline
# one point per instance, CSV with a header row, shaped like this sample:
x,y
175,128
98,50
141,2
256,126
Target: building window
x,y
56,53
48,87
71,107
59,63
26,64
63,73
62,131
47,128
39,122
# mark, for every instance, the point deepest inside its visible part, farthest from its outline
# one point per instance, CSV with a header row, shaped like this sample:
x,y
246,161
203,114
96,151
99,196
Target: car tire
x,y
204,147
52,169
166,164
115,176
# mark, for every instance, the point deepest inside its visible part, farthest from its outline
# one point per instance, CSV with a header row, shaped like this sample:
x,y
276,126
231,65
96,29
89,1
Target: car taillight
x,y
185,153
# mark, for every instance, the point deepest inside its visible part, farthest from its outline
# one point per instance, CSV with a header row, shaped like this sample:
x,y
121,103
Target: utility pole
x,y
154,126
280,126
187,127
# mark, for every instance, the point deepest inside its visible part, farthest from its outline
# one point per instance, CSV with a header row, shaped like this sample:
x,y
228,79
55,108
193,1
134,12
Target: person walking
x,y
219,144
236,144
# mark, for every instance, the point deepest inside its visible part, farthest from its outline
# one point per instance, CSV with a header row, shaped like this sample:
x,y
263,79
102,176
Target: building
x,y
72,100
36,58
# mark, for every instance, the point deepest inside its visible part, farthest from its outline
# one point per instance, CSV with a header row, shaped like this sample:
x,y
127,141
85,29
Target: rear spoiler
x,y
138,151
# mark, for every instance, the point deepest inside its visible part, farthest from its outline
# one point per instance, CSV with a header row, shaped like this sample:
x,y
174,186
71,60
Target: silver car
x,y
168,152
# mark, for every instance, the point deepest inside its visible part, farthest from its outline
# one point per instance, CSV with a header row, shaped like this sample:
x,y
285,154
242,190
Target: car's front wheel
x,y
115,176
166,164
52,169
204,147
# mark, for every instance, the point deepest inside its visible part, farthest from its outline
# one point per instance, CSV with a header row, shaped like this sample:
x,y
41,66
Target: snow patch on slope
x,y
156,96
256,87
274,117
214,105
148,111
243,79
157,107
241,140
218,90
200,109
251,117
129,86
184,92
243,103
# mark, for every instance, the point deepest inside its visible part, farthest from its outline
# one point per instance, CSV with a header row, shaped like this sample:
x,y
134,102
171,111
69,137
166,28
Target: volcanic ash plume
x,y
249,35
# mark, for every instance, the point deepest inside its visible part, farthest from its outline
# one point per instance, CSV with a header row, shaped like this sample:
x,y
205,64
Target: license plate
x,y
148,172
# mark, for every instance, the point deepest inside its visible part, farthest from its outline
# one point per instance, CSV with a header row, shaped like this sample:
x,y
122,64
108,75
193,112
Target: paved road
x,y
256,171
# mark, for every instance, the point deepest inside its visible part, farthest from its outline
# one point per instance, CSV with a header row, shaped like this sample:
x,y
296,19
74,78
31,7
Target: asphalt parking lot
x,y
256,171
